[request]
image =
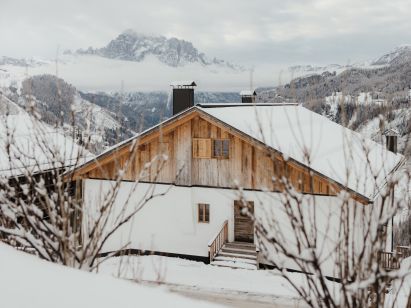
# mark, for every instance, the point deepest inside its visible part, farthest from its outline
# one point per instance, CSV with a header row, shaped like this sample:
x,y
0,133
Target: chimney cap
x,y
391,132
248,93
183,84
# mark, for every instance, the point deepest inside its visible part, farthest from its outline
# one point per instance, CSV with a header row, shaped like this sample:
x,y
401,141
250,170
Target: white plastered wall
x,y
170,224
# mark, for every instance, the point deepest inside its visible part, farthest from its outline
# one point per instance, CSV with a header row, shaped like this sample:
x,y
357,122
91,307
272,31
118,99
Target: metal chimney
x,y
183,95
391,137
248,96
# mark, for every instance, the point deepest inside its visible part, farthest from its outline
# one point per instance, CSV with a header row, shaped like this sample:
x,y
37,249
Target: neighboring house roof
x,y
306,137
27,144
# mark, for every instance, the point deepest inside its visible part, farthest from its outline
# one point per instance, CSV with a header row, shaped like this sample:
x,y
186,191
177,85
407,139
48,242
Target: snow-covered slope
x,y
29,144
26,281
99,117
398,55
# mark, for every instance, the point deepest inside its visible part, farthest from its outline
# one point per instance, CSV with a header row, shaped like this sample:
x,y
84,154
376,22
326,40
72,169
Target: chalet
x,y
207,157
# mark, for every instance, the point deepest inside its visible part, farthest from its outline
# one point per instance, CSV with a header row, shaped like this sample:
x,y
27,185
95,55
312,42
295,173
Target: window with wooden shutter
x,y
221,148
201,148
203,212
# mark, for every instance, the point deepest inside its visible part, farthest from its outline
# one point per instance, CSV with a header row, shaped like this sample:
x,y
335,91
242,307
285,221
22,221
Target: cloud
x,y
248,32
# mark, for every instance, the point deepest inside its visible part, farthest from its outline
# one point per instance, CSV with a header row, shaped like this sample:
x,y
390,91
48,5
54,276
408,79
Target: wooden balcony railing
x,y
218,241
390,260
405,251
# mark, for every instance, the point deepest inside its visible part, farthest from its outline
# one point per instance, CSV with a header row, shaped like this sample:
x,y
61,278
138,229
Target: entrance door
x,y
243,224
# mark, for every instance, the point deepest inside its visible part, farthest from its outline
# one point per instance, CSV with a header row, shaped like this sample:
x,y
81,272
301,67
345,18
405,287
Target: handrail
x,y
218,241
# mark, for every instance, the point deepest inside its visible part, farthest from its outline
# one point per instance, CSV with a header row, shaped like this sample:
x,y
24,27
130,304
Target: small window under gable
x,y
204,212
221,148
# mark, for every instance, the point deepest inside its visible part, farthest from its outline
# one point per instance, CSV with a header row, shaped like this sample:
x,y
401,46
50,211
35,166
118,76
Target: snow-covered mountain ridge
x,y
399,55
132,46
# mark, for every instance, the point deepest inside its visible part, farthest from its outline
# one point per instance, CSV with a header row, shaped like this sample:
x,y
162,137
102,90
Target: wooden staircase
x,y
237,255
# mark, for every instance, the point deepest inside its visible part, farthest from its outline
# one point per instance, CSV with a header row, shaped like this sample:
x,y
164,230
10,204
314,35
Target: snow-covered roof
x,y
334,151
248,93
183,83
34,146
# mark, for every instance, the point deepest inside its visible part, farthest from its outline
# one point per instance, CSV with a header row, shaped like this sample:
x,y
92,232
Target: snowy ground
x,y
227,286
27,282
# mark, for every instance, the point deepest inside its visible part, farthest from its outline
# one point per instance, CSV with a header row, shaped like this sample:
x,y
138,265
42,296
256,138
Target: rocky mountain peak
x,y
133,46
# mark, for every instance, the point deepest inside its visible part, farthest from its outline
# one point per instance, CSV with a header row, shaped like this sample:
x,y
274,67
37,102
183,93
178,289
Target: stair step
x,y
239,251
236,255
236,265
241,245
235,260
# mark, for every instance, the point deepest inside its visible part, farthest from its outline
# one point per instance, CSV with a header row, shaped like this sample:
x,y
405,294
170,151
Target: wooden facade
x,y
181,152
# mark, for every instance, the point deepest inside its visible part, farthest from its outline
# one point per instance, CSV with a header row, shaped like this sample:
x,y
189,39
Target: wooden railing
x,y
218,241
405,251
390,260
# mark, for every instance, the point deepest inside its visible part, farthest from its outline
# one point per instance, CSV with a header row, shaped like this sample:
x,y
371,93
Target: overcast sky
x,y
242,31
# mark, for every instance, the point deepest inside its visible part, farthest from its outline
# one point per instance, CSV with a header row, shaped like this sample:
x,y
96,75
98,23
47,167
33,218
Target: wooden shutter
x,y
201,148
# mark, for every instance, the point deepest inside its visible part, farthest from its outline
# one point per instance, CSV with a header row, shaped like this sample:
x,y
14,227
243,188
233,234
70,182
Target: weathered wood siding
x,y
168,158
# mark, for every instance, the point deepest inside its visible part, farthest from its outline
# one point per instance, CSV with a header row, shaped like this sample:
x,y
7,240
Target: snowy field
x,y
27,282
226,286
149,281
199,280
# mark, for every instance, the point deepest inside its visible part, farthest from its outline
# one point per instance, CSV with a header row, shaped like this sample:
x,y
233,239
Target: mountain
x,y
139,62
359,97
141,110
59,104
399,55
132,46
20,62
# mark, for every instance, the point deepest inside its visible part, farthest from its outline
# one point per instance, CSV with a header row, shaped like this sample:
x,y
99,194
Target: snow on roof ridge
x,y
248,93
183,83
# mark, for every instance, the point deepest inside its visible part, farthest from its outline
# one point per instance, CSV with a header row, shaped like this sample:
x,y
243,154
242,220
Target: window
x,y
201,148
221,148
204,212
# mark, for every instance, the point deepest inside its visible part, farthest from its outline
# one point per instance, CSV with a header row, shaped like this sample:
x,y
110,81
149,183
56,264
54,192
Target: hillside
x,y
59,104
358,97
